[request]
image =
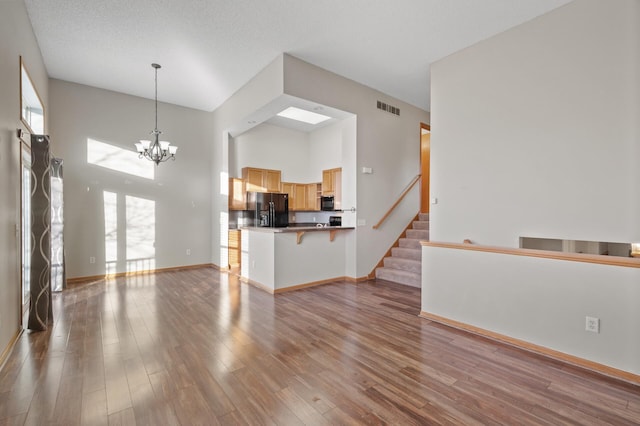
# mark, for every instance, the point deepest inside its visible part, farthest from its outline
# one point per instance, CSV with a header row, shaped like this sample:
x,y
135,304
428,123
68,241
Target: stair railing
x,y
400,198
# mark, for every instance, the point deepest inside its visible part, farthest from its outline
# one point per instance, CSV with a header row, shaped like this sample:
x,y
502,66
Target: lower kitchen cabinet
x,y
235,251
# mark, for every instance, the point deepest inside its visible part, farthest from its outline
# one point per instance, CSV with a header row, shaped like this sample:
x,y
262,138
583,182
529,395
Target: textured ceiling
x,y
208,49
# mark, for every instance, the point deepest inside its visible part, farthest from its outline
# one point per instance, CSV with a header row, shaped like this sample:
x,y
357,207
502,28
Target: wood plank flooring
x,y
199,348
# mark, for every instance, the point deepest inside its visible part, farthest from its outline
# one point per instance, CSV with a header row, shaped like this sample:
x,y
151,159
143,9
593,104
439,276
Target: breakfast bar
x,y
293,257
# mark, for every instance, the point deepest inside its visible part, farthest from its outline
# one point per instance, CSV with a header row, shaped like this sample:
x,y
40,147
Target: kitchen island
x,y
284,259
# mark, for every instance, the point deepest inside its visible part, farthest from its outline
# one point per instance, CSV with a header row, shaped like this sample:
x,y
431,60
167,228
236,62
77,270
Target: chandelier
x,y
156,150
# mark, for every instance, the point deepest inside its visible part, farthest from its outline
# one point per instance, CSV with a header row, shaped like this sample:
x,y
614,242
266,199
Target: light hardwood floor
x,y
198,347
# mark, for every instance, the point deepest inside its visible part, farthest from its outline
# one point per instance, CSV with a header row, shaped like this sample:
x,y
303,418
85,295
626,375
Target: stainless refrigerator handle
x,y
272,213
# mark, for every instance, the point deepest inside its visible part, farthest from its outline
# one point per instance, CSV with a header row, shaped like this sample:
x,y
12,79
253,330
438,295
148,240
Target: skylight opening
x,y
305,116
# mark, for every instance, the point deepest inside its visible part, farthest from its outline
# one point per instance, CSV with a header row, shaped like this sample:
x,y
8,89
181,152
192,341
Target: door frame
x,y
424,179
24,307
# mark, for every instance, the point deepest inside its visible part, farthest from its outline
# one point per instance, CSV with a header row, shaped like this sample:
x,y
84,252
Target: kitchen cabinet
x,y
332,185
287,188
234,248
302,196
313,191
237,194
262,180
300,200
296,201
327,182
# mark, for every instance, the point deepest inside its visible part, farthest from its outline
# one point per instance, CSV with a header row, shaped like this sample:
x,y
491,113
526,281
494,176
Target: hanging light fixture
x,y
156,150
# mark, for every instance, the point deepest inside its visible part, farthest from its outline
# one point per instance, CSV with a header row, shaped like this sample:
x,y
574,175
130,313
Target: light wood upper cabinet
x,y
262,180
302,196
313,196
272,180
237,194
327,182
332,185
287,188
295,202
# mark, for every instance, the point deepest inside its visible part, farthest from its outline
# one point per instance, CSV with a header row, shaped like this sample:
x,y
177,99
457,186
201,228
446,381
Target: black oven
x,y
326,203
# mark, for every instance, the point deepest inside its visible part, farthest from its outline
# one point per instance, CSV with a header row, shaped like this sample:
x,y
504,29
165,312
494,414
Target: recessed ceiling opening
x,y
303,115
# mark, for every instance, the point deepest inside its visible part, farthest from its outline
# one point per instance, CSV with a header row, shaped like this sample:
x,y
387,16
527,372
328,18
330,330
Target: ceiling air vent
x,y
386,107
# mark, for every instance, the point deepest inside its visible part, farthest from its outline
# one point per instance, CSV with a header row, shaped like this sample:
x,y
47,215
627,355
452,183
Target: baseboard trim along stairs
x,y
404,266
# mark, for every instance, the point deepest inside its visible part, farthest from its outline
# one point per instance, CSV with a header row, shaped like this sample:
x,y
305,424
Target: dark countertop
x,y
297,228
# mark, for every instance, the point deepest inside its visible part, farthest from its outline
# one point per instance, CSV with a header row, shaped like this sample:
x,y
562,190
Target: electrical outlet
x,y
188,252
592,324
362,222
92,259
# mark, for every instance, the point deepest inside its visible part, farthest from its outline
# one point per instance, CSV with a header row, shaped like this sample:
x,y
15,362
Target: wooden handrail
x,y
386,215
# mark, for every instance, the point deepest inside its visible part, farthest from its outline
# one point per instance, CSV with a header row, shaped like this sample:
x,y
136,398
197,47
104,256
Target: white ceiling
x,y
208,49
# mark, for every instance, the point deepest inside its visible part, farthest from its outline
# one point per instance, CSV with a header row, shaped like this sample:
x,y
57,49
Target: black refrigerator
x,y
268,209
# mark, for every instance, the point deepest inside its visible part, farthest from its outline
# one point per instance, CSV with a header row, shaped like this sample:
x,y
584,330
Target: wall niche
x,y
579,246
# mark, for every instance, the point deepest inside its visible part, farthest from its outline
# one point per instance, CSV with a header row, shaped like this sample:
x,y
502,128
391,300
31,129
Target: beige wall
x,y
387,143
180,190
16,39
535,133
535,130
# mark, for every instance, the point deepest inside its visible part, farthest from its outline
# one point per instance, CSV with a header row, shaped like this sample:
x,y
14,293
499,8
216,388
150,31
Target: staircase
x,y
404,266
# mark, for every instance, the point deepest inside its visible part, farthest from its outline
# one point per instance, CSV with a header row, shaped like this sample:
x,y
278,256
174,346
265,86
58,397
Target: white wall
x,y
180,189
271,147
16,39
262,89
315,259
300,156
535,133
277,261
325,149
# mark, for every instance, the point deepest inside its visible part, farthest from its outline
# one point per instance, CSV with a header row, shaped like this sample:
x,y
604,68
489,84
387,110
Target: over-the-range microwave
x,y
327,203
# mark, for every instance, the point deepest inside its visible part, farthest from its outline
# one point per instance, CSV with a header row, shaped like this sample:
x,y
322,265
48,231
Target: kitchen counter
x,y
280,259
301,230
296,228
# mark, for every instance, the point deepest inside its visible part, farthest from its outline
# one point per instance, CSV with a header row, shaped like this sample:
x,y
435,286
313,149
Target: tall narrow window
x,y
110,231
31,107
141,233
